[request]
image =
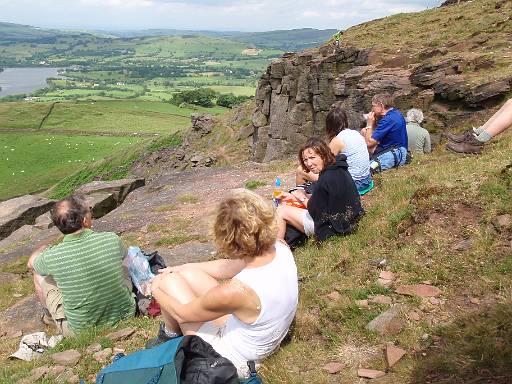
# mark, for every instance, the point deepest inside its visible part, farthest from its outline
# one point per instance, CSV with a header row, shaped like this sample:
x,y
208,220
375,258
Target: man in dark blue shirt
x,y
387,139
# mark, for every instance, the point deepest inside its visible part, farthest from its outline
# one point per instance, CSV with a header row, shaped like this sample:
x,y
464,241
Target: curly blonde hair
x,y
245,225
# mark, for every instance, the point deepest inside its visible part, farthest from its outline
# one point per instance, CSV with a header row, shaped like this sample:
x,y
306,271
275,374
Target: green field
x,y
74,134
31,162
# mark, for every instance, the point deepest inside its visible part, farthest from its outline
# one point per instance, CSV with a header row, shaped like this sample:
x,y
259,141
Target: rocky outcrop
x,y
15,213
104,196
296,92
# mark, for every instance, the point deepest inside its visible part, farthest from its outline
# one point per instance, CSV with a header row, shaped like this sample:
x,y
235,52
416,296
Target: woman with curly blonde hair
x,y
246,316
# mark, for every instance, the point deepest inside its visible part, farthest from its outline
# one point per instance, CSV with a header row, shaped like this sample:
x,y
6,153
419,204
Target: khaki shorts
x,y
54,303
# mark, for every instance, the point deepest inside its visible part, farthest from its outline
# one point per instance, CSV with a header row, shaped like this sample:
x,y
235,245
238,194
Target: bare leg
x,y
39,290
301,177
291,215
500,121
185,286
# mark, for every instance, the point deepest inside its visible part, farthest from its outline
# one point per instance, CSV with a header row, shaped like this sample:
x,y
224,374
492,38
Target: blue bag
x,y
182,360
148,366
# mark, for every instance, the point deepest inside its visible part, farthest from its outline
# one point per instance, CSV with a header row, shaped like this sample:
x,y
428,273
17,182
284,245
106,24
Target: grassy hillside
x,y
478,31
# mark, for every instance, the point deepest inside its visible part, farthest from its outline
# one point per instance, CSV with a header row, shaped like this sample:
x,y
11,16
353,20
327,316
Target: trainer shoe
x,y
459,137
470,146
162,337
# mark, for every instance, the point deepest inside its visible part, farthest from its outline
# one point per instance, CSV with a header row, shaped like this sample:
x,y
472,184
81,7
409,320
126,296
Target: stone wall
x,y
296,92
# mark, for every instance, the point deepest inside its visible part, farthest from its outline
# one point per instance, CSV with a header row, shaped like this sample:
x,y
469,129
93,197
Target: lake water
x,y
24,80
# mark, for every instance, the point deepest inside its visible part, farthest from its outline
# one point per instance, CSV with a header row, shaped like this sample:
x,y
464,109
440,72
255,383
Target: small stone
x,y
434,301
387,323
121,335
421,290
115,351
38,373
362,303
333,367
463,245
93,348
414,316
69,357
381,299
370,373
334,296
427,282
393,354
17,295
425,336
56,370
385,283
502,221
387,275
102,355
436,339
67,377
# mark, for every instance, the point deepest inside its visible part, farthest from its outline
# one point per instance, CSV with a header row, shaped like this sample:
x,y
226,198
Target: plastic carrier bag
x,y
138,267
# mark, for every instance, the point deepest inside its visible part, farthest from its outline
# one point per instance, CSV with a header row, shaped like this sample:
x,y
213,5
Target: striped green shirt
x,y
87,268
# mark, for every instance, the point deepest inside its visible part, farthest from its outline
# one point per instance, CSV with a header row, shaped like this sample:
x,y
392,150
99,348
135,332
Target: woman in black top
x,y
334,208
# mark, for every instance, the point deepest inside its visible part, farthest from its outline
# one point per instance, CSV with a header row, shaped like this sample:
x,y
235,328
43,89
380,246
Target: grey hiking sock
x,y
484,136
477,130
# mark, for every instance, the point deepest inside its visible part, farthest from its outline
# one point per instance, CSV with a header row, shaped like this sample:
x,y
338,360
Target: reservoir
x,y
24,80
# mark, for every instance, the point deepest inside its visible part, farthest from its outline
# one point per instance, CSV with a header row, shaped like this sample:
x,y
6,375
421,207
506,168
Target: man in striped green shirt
x,y
81,280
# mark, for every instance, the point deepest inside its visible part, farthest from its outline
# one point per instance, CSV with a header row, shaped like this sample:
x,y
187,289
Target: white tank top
x,y
358,159
277,288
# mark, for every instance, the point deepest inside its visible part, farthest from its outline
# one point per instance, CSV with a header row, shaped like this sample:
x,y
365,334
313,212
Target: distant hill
x,y
286,40
18,33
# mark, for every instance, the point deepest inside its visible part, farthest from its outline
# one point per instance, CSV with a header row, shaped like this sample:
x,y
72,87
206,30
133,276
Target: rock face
x,y
19,211
296,92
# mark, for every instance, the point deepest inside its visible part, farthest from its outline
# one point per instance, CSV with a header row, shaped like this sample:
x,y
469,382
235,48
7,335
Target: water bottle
x,y
139,269
277,192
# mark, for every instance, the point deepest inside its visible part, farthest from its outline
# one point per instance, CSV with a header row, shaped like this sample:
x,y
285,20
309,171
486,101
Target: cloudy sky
x,y
245,15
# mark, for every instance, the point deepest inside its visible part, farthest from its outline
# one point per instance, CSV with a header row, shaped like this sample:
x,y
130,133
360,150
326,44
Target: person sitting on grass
x,y
334,207
81,281
472,141
347,142
243,305
385,134
417,136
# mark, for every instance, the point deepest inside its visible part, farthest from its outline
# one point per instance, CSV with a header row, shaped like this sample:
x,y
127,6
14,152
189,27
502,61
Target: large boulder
x,y
202,123
15,213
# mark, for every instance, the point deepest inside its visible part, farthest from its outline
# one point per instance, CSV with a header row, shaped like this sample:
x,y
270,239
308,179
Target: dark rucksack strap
x,y
252,367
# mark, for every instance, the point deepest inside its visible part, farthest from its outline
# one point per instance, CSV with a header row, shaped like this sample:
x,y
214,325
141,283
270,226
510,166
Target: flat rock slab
x,y
8,278
23,316
121,334
420,290
15,213
25,248
69,357
387,323
119,188
191,252
333,367
370,373
393,354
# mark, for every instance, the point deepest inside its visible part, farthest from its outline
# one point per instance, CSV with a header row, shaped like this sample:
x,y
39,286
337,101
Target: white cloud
x,y
248,15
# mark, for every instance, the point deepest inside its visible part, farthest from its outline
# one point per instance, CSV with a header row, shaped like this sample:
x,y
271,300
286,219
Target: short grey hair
x,y
414,115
